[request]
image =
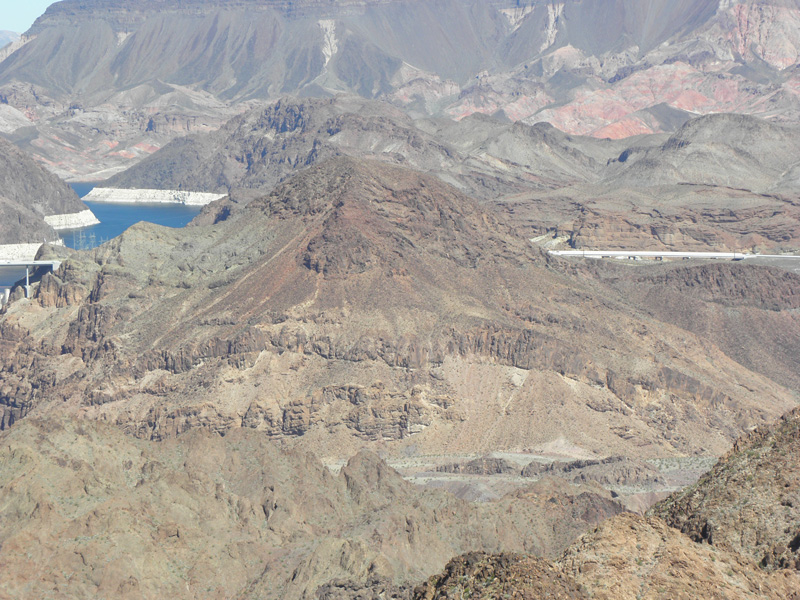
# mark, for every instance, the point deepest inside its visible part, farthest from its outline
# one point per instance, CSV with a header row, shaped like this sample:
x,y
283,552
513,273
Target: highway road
x,y
782,261
790,263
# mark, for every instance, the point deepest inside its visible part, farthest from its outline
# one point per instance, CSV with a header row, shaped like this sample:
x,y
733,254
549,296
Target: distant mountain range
x,y
6,37
116,80
718,182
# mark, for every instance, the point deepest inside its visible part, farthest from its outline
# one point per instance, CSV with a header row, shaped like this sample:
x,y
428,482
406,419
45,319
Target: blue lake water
x,y
10,275
116,218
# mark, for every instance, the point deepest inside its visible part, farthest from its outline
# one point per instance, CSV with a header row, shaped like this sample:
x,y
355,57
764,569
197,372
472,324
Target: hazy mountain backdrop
x,y
98,84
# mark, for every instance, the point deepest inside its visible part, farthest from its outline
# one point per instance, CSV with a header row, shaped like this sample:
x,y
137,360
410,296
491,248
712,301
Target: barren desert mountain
x,y
363,304
360,374
236,516
118,80
745,312
723,182
28,194
726,150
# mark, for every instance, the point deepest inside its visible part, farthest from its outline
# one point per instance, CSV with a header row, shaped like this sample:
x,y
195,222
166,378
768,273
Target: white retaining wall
x,y
151,196
22,252
85,218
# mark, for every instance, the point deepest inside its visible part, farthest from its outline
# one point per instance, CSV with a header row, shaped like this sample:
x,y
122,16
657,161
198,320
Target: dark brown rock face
x,y
480,466
614,471
481,575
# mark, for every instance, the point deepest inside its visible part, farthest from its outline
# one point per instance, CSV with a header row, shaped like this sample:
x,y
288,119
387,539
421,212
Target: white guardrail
x,y
29,265
636,254
648,254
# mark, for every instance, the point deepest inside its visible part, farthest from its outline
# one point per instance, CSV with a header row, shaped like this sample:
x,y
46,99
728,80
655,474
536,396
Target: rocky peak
x,y
750,501
370,479
286,115
372,214
407,197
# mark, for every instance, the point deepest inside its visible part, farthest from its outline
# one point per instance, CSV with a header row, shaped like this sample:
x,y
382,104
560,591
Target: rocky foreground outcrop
x,y
482,575
749,502
89,512
740,520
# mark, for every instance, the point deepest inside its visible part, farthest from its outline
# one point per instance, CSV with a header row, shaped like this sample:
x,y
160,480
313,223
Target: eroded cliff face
x,y
362,304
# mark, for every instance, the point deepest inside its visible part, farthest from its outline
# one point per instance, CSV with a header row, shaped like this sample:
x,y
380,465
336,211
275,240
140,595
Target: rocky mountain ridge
x,y
266,145
30,194
357,304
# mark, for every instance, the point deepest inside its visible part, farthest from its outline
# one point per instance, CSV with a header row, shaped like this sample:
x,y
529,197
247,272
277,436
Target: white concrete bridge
x,y
12,271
